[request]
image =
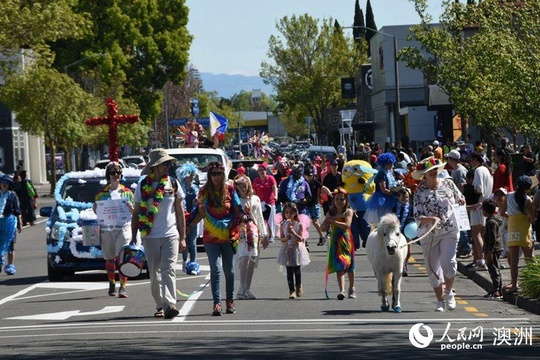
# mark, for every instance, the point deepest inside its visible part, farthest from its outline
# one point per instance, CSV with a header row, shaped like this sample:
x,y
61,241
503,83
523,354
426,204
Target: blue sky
x,y
231,36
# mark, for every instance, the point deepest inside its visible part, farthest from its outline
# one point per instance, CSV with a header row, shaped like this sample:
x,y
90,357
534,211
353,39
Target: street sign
x,y
345,131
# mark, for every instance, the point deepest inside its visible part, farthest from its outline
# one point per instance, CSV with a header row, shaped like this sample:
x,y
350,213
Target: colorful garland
x,y
426,164
147,213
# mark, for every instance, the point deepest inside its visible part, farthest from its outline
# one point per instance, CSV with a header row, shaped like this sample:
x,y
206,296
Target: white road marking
x,y
190,302
64,315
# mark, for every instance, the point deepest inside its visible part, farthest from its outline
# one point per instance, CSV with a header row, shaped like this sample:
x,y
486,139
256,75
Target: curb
x,y
482,279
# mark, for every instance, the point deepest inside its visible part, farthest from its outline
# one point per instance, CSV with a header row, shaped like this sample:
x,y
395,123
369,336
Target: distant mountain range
x,y
228,85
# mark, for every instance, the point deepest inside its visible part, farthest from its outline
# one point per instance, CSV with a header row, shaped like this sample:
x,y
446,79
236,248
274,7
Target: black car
x,y
74,193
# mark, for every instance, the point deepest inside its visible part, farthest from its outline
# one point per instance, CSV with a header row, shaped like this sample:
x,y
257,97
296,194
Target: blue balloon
x,y
410,230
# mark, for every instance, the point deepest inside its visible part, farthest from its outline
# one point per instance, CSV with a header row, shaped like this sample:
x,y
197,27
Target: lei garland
x,y
148,211
292,187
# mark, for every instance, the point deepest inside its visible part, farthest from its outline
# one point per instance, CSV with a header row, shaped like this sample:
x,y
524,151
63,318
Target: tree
x,y
359,26
308,64
51,105
146,43
30,25
498,92
242,102
371,27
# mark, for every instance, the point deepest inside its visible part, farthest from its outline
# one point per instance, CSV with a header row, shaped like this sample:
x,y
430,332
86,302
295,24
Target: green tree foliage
x,y
51,105
242,102
486,58
308,62
146,43
30,25
359,31
371,27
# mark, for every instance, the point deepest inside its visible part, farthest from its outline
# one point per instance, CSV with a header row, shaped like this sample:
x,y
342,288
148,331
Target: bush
x,y
529,278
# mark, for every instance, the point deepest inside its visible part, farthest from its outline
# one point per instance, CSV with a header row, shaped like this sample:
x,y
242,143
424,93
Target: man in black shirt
x,y
332,181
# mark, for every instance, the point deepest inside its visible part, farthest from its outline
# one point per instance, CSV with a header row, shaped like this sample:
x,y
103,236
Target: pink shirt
x,y
264,189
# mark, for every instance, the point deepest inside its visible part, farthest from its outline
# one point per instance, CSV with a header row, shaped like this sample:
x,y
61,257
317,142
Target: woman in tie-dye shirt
x,y
219,206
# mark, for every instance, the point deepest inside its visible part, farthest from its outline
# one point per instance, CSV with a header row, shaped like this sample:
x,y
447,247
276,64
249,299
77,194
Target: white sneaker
x,y
450,301
249,295
440,306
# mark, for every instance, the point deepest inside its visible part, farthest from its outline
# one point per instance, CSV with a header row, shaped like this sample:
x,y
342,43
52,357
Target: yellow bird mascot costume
x,y
358,176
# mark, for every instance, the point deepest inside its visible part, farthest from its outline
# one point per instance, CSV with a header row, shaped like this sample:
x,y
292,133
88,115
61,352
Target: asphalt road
x,y
76,319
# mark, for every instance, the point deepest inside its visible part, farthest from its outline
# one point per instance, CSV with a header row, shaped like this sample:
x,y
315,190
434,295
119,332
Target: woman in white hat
x,y
159,216
434,199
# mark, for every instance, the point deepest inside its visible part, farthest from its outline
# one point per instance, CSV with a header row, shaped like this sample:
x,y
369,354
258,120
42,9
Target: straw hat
x,y
157,156
426,165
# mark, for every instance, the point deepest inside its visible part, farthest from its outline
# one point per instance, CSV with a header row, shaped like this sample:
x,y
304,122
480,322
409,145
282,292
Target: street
x,y
76,319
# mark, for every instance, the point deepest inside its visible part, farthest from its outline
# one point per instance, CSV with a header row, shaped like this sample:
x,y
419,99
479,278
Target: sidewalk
x,y
482,279
43,190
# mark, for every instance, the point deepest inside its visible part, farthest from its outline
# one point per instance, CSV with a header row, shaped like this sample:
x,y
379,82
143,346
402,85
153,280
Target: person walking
x,y
26,192
219,206
186,175
114,237
265,187
10,223
252,234
159,216
483,186
493,248
341,247
520,211
434,200
293,253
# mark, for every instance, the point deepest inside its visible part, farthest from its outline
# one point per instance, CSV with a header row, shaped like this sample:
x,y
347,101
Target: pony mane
x,y
388,221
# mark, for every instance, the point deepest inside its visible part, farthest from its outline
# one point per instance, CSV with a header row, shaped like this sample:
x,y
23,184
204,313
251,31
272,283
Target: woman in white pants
x,y
435,199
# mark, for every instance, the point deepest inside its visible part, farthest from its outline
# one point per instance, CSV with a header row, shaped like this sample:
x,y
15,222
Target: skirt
x,y
519,231
296,255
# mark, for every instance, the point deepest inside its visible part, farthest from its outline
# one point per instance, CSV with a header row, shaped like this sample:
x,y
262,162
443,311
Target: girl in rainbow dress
x,y
341,247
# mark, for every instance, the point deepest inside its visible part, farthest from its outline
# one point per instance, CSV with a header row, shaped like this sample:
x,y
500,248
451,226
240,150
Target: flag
x,y
218,124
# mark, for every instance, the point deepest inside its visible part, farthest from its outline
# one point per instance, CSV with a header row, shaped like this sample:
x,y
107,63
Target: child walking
x,y
403,212
492,248
341,247
293,253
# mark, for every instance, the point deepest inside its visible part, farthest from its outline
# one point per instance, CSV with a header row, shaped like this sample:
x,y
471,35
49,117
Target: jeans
x,y
464,243
191,249
221,256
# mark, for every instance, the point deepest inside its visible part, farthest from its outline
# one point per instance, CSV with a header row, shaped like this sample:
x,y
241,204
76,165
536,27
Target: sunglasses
x,y
114,173
167,163
216,173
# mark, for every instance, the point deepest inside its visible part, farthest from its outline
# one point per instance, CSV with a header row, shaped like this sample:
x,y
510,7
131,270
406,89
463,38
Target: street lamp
x,y
396,77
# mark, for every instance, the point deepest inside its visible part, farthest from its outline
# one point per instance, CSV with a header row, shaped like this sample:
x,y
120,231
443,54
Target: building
x,y
17,146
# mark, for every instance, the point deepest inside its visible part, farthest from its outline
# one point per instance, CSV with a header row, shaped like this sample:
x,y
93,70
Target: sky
x,y
231,36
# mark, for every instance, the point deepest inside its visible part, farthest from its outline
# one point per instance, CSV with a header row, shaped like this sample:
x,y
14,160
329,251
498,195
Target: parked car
x,y
75,192
138,160
315,150
201,157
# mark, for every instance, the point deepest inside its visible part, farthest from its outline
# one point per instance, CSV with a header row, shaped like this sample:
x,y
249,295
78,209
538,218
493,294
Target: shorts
x,y
113,241
314,212
477,218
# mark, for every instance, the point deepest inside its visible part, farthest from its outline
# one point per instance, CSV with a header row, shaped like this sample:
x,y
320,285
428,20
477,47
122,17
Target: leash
x,y
437,220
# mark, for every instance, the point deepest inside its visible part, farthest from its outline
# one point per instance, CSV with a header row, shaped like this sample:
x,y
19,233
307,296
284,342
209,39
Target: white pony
x,y
386,249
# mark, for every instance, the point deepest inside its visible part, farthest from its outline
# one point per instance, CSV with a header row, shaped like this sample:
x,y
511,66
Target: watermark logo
x,y
417,338
463,338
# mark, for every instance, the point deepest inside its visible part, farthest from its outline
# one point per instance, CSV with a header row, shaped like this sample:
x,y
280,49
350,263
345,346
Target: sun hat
x,y
435,143
453,154
157,157
426,165
461,143
502,189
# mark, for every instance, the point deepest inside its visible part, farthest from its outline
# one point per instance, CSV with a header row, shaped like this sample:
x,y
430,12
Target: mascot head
x,y
357,176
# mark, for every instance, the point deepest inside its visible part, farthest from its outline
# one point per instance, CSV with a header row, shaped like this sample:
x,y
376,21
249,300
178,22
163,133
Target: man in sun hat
x,y
10,223
159,217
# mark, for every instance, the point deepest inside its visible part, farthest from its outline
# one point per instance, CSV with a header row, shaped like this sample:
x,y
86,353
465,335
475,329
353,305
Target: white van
x,y
201,158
